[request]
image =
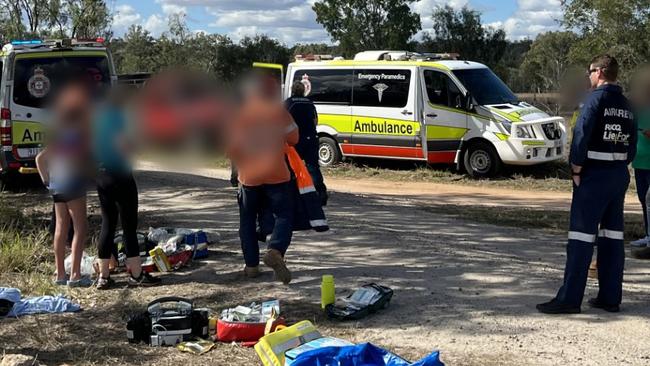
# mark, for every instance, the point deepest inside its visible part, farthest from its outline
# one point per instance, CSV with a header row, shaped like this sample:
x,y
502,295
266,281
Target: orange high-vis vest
x,y
308,195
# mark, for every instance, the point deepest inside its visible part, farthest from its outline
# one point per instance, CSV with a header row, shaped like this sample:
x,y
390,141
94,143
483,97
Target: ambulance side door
x,y
384,120
444,121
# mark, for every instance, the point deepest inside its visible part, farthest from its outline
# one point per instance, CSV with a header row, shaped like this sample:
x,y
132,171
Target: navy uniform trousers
x,y
596,218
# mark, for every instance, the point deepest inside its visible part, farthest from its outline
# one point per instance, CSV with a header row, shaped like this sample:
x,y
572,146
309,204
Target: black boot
x,y
556,307
596,303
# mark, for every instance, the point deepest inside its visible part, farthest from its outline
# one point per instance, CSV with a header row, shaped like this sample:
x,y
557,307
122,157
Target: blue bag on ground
x,y
364,354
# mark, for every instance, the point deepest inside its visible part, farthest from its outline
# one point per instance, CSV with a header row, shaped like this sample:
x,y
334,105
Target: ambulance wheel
x,y
481,160
328,152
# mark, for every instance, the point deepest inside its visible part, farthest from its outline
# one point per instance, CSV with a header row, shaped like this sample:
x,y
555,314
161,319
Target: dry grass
x,y
25,254
547,177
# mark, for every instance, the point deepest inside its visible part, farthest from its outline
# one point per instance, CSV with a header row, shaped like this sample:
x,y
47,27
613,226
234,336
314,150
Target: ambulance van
x,y
432,108
29,71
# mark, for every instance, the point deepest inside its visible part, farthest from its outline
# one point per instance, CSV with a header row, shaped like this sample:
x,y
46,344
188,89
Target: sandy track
x,y
436,193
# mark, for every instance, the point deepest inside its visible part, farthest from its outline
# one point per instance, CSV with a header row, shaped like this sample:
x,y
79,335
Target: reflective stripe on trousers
x,y
591,238
596,155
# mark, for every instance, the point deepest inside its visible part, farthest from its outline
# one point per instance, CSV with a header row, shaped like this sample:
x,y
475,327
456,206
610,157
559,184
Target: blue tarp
x,y
360,355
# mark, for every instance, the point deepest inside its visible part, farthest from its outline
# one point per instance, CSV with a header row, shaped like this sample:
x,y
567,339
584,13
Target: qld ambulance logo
x,y
39,84
380,88
307,83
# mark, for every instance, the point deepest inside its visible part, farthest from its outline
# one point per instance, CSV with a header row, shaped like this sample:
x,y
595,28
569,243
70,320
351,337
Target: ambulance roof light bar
x,y
439,56
26,42
313,57
387,55
56,43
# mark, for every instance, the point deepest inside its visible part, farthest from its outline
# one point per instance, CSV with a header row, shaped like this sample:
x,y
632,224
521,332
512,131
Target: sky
x,y
293,21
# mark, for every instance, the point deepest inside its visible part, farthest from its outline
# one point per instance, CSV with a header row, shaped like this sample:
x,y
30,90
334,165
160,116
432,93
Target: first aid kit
x,y
171,321
368,299
271,347
247,324
168,321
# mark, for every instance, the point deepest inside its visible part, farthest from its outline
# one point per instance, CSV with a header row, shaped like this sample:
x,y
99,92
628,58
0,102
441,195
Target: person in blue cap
x,y
604,143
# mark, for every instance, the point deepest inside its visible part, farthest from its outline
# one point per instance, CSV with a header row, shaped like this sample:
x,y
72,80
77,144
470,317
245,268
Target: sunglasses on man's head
x,y
591,71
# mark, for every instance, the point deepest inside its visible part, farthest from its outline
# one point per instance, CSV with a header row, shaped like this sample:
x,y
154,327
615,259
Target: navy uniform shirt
x,y
304,114
605,131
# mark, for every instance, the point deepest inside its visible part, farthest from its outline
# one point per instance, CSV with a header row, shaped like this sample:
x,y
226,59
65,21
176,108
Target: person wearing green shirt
x,y
641,165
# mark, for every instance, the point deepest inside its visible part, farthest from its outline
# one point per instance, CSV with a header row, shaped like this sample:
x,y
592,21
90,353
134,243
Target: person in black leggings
x,y
118,194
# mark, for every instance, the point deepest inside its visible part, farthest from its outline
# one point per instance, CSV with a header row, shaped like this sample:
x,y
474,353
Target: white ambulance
x,y
401,105
29,72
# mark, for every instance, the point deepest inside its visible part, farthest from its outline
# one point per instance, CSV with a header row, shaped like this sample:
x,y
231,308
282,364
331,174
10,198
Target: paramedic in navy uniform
x,y
604,143
304,113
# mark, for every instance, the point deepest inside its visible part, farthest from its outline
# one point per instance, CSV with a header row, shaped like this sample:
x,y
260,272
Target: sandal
x,y
105,283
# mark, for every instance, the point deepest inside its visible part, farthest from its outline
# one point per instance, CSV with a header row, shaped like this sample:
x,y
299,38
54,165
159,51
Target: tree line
x,y
544,64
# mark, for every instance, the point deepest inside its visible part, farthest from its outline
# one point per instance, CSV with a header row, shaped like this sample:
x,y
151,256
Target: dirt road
x,y
435,193
466,289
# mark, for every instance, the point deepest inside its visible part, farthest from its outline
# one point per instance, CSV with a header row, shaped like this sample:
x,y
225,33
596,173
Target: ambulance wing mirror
x,y
469,102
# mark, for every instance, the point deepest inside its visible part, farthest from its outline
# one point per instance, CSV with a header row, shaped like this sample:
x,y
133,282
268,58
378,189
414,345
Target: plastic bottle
x,y
327,295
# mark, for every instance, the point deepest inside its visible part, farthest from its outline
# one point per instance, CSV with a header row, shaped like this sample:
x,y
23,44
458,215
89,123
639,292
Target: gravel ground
x,y
466,289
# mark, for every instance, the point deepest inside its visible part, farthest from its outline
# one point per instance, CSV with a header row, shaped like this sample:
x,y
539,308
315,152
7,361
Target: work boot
x,y
251,272
273,258
596,303
556,307
593,270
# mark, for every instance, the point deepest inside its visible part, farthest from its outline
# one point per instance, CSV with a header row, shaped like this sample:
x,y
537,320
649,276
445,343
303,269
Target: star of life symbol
x,y
307,83
380,88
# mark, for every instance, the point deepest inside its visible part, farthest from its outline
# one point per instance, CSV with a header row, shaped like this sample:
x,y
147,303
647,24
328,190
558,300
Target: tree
x,y
313,49
548,60
11,25
230,59
462,32
616,27
36,12
509,68
264,49
89,18
368,24
136,53
58,18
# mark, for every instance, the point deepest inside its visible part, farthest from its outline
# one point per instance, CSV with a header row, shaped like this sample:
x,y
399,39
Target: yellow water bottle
x,y
327,295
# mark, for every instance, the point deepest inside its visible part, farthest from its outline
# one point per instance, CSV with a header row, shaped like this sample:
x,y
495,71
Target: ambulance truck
x,y
399,105
29,72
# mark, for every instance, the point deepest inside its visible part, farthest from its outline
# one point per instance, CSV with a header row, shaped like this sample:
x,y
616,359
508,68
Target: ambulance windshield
x,y
36,78
485,86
